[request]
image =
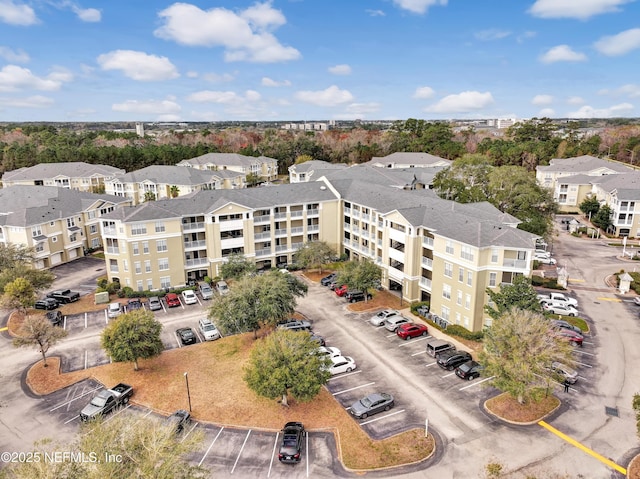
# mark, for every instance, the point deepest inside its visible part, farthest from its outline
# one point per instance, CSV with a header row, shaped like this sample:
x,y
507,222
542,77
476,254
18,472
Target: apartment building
x,y
431,249
408,160
622,194
262,166
170,182
312,170
59,223
72,175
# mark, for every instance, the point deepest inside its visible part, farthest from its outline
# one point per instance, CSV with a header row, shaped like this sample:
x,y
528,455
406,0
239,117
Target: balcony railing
x,y
366,217
281,247
297,214
263,235
298,230
280,216
263,252
109,231
427,263
514,263
347,226
313,212
312,228
113,269
193,226
380,224
296,246
425,283
427,242
195,244
281,232
261,219
378,259
113,250
347,211
190,263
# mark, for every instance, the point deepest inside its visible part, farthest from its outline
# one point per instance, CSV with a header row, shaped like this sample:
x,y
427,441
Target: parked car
x,y
205,290
172,300
333,285
636,300
317,338
327,280
106,401
154,303
341,364
329,351
133,304
295,325
412,330
186,335
572,337
452,359
392,323
355,296
291,445
561,309
544,259
46,303
208,330
371,404
342,290
55,317
439,346
64,296
381,317
564,372
469,370
178,420
114,310
223,287
189,297
561,323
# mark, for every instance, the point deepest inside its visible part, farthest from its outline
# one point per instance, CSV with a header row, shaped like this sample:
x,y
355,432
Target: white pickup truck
x,y
558,298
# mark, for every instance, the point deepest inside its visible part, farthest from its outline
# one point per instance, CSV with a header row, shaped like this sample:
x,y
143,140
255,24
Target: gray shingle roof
x,y
33,205
317,165
583,164
76,169
171,175
234,159
407,158
397,177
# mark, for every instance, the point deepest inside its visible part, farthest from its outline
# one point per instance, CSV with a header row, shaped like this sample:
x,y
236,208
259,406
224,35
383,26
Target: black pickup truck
x,y
106,400
64,296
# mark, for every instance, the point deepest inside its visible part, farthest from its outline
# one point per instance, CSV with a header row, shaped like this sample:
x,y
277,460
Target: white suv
x,y
189,297
114,310
208,330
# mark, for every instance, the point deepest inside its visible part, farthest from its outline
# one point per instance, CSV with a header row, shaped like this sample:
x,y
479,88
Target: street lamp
x,y
186,378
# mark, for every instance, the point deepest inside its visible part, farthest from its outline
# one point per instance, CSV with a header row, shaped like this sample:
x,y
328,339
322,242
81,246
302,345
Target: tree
x,y
360,276
315,254
237,266
285,362
252,179
133,336
174,191
144,448
590,206
149,196
19,294
517,350
636,408
16,262
520,295
39,332
257,301
602,218
465,181
303,159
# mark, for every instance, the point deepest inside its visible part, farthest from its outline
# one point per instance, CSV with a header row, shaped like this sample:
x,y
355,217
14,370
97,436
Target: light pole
x,y
186,378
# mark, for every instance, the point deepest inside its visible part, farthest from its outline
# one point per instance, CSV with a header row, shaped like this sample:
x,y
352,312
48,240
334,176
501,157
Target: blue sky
x,y
150,60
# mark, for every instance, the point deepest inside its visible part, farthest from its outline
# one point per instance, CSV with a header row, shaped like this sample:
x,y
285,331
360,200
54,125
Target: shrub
x,y
113,287
103,282
462,332
127,292
418,304
208,280
537,280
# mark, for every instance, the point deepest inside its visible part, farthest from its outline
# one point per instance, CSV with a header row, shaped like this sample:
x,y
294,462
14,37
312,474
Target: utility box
x,y
101,298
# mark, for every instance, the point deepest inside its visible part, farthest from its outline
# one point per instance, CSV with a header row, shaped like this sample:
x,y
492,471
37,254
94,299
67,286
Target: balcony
x,y
261,219
366,217
380,224
113,250
199,244
378,260
347,211
281,247
114,269
515,263
192,263
313,212
280,216
296,246
313,228
231,225
263,252
193,226
262,236
425,283
109,231
281,232
427,242
297,214
427,263
347,226
355,213
298,230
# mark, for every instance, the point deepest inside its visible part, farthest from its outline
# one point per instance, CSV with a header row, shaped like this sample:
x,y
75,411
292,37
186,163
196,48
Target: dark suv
x,y
469,370
46,303
327,280
295,325
354,296
291,446
55,317
452,359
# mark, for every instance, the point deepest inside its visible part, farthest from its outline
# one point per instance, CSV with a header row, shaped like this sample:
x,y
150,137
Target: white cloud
x,y
375,13
90,15
192,74
525,36
542,100
36,101
12,56
614,111
362,108
331,96
423,92
575,100
562,53
245,36
252,95
216,78
15,78
156,107
266,81
619,44
492,34
580,9
630,90
462,102
418,6
546,113
138,65
340,69
224,97
17,13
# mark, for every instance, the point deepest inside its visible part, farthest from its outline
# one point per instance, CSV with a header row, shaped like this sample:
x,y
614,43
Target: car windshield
x,y
209,327
98,401
366,402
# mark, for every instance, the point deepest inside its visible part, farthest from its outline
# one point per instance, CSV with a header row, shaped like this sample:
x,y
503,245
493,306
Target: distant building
x,y
408,160
72,175
261,166
312,170
140,129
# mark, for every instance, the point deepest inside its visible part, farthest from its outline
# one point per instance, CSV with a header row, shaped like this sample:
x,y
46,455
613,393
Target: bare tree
x,y
39,332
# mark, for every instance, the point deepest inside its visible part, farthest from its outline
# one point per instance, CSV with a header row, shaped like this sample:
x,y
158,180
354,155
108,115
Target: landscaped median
x,y
219,395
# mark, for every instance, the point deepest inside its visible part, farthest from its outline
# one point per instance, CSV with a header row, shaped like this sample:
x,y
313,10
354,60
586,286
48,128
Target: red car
x,y
342,290
172,300
411,330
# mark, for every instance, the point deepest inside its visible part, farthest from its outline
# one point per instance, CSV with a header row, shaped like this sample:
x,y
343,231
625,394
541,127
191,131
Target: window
x,y
125,265
467,301
91,214
165,281
70,222
492,280
446,291
446,313
136,250
494,255
36,231
73,237
138,229
137,267
461,275
449,247
458,318
149,284
448,269
161,245
459,299
163,264
54,239
147,266
466,253
39,247
145,247
93,229
160,226
469,278
95,243
139,285
522,255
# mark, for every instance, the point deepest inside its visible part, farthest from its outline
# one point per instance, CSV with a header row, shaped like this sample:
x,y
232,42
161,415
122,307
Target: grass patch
x,y
220,396
506,407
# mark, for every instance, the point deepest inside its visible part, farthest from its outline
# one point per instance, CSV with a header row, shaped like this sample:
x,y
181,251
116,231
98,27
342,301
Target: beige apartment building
x,y
432,249
59,223
262,166
74,175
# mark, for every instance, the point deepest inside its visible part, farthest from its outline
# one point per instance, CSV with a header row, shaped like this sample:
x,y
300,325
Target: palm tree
x,y
174,191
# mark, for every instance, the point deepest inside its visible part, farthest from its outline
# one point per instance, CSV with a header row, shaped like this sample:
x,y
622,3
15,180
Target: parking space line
x,y
148,412
453,373
119,411
306,449
587,342
85,320
86,358
430,364
273,454
74,398
241,449
392,335
419,352
414,340
64,323
210,446
352,389
583,364
175,335
106,317
588,354
382,417
189,432
344,375
72,419
475,383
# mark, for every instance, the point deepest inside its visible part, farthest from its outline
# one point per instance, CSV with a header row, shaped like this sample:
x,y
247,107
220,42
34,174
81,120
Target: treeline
x,y
526,144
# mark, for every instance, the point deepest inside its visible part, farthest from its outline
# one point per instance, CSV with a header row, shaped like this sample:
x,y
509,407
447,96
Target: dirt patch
x,y
633,471
381,300
219,395
506,407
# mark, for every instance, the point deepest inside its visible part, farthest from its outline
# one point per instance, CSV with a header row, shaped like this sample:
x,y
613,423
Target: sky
x,y
312,60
